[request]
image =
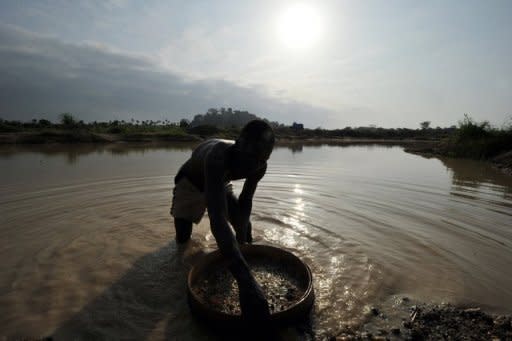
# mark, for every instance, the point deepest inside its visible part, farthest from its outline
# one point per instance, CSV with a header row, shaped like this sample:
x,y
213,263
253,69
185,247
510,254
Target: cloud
x,y
43,76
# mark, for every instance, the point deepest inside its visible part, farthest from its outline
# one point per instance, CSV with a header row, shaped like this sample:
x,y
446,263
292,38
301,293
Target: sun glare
x,y
299,26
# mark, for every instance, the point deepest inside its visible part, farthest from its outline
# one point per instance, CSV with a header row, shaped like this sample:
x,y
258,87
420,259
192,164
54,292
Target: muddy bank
x,y
84,136
404,319
350,141
502,161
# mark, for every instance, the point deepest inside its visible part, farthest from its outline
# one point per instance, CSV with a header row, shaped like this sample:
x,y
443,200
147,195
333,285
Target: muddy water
x,y
86,241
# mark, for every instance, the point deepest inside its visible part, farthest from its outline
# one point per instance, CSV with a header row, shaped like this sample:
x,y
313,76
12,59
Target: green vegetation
x,y
69,129
371,132
477,140
68,122
473,140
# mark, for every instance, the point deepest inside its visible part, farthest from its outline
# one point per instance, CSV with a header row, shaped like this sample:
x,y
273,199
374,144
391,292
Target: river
x,y
87,249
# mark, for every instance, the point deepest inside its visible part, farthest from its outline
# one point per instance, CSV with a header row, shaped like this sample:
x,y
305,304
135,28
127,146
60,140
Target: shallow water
x,y
87,248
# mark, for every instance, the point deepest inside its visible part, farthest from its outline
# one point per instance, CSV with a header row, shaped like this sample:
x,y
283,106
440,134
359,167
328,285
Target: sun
x,y
299,26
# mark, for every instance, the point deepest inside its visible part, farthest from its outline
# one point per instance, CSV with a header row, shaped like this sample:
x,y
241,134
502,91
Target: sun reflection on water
x,y
297,189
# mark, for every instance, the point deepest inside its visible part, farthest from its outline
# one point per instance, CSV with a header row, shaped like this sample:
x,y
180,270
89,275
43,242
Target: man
x,y
204,182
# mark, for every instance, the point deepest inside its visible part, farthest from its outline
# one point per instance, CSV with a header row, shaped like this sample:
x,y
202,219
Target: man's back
x,y
194,169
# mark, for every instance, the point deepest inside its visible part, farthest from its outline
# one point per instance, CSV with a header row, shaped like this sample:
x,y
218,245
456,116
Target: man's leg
x,y
183,230
249,232
181,206
234,219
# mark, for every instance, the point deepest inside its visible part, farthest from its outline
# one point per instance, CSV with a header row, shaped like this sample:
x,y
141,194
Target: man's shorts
x,y
188,202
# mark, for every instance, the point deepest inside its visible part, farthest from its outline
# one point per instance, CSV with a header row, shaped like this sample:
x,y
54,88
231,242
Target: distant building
x,y
297,126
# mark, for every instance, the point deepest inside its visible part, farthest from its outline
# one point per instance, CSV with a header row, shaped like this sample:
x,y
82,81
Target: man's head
x,y
254,146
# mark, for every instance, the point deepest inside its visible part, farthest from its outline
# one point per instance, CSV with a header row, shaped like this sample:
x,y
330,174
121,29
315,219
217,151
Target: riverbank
x,y
84,136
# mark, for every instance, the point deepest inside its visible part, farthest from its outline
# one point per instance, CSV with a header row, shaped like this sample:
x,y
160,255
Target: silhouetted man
x,y
204,181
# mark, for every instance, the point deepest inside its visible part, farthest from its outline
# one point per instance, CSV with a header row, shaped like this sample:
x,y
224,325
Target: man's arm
x,y
245,201
252,300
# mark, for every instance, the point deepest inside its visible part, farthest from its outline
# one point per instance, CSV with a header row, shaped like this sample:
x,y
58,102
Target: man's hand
x,y
243,233
253,303
256,176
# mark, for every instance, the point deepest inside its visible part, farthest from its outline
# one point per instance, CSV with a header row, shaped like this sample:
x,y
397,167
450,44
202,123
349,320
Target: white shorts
x,y
188,202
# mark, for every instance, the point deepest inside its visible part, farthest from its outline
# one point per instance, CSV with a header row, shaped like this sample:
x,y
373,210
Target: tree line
x,y
227,123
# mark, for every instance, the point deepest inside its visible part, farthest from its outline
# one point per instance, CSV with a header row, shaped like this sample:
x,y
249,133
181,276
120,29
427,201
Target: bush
x,y
10,127
67,120
478,140
469,129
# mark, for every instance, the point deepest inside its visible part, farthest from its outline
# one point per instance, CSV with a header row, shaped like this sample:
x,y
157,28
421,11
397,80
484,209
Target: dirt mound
x,y
504,162
449,322
430,322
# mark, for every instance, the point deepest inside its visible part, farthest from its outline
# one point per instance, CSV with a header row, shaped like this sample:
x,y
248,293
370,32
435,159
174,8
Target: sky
x,y
328,64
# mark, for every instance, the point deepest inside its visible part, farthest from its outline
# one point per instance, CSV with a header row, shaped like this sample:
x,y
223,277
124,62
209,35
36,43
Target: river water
x,y
87,250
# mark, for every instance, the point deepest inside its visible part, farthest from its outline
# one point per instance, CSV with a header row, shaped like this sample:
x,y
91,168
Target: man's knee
x,y
233,210
183,230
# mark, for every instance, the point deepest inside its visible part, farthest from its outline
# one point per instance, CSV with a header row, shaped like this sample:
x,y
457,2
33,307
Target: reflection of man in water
x,y
204,182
